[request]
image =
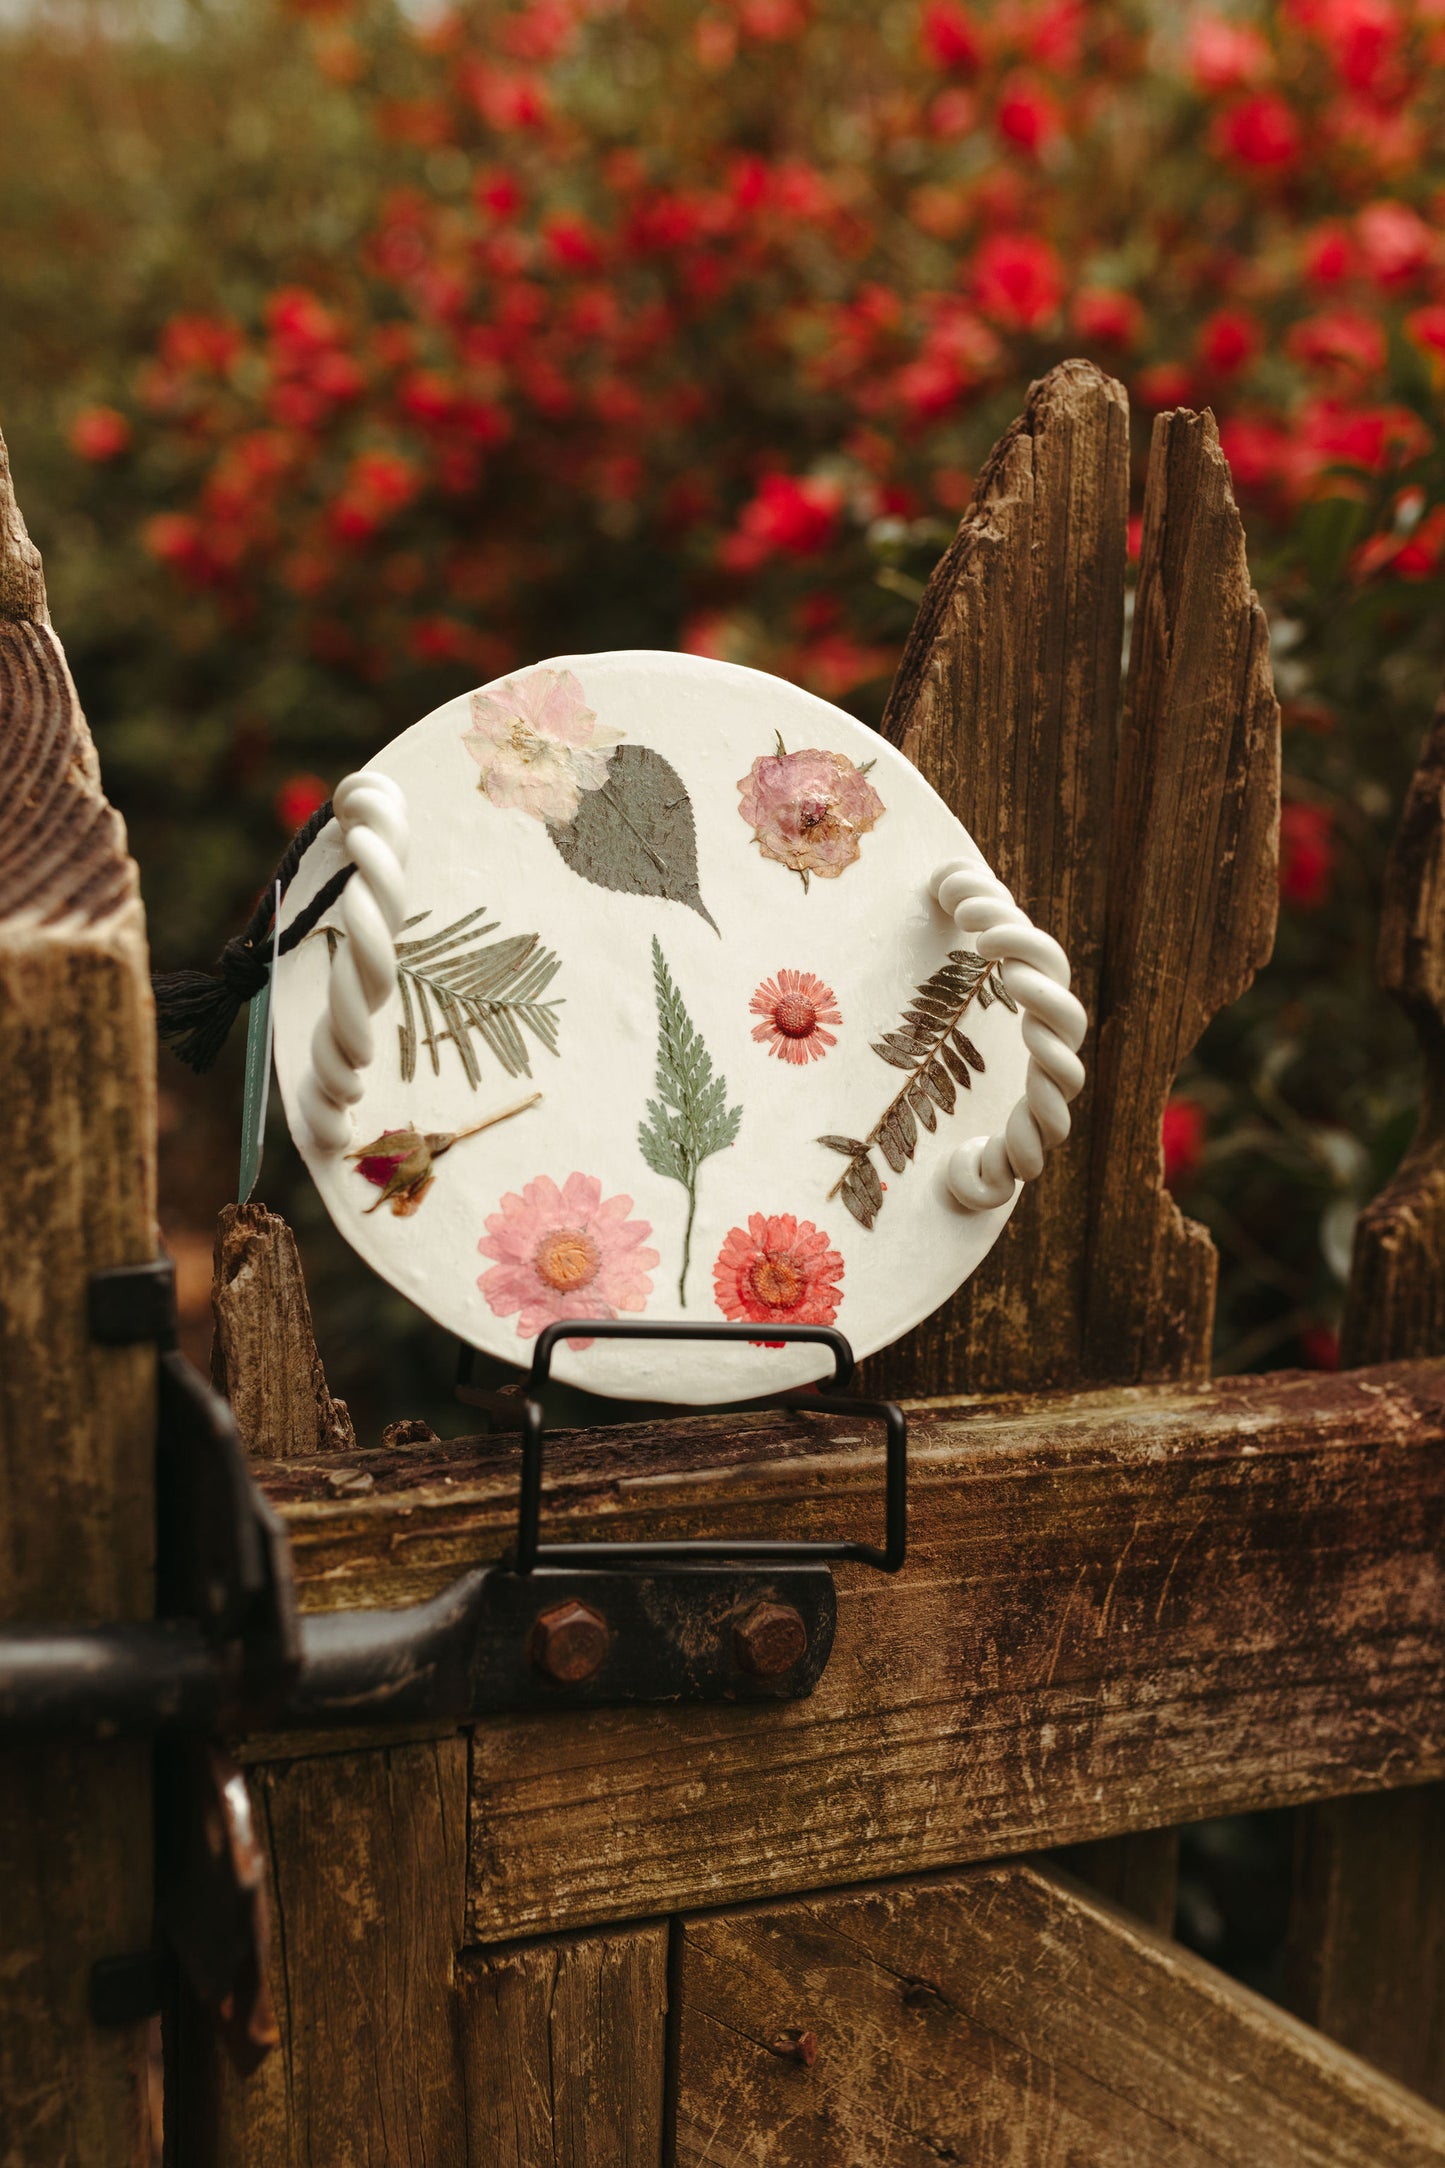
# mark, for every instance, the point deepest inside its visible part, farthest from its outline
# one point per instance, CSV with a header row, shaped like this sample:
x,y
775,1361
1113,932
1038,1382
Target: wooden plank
x,y
1395,1305
1140,1873
1007,699
1004,2016
77,1422
367,1870
1366,1956
1120,1610
263,1353
563,2048
1193,896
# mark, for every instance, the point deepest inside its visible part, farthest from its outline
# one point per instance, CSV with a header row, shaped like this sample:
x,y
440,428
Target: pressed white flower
x,y
539,745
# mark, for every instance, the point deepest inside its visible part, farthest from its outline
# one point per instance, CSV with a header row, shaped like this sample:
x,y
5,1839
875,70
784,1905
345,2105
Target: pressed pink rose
x,y
565,1253
538,744
809,810
779,1271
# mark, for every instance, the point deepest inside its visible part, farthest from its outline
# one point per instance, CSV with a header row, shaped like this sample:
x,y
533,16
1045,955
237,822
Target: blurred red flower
x,y
951,38
1320,1347
1306,854
1018,279
1166,384
795,514
1107,317
1262,131
1395,243
99,433
1223,55
1344,339
1228,341
298,798
1182,1135
1027,115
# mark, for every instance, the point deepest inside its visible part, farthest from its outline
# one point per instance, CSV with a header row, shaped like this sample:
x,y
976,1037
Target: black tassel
x,y
196,1009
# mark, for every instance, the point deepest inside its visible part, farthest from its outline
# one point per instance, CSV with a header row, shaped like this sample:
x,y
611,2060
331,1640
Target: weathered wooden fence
x,y
804,1932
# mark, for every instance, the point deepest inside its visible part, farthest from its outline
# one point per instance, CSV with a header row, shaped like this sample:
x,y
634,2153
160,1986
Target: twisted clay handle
x,y
1035,970
371,812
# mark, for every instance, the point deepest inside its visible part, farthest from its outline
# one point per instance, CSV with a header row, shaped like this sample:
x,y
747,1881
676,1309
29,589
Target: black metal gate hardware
x,y
553,1625
832,1396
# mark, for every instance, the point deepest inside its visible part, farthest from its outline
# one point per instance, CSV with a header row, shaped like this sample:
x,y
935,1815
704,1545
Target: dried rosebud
x,y
399,1161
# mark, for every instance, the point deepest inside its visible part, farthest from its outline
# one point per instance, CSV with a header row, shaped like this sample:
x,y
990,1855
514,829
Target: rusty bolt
x,y
769,1640
794,2046
569,1642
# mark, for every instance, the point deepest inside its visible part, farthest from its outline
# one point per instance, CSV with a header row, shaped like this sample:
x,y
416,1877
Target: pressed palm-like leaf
x,y
453,989
937,1057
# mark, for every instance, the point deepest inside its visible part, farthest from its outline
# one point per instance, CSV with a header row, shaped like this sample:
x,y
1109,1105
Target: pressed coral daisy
x,y
794,1007
778,1271
563,1253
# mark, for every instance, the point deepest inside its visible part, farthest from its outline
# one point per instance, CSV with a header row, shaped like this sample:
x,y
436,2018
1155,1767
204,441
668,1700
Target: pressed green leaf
x,y
636,833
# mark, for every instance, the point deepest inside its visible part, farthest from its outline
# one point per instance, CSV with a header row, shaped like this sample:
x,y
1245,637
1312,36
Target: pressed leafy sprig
x,y
494,991
690,1118
931,1045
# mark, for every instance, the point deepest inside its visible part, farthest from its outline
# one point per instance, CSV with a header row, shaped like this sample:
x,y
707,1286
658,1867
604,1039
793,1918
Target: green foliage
x,y
690,1118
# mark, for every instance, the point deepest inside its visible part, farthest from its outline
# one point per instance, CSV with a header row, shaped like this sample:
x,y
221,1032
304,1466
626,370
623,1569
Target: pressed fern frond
x,y
451,989
690,1118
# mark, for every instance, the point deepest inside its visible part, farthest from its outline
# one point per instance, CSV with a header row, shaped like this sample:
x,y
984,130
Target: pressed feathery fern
x,y
493,991
690,1118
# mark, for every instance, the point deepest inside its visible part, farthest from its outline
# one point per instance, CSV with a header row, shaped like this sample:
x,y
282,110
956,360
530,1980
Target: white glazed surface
x,y
872,934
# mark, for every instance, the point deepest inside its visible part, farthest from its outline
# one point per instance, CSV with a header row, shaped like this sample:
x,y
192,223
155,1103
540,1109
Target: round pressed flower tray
x,y
677,1029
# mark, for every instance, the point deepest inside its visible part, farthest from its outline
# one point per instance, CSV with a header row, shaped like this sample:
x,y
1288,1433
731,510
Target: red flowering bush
x,y
688,322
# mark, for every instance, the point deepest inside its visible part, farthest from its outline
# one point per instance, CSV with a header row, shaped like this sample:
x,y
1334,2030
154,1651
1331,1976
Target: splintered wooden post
x,y
1193,896
263,1353
1366,1961
1007,700
77,1421
1150,853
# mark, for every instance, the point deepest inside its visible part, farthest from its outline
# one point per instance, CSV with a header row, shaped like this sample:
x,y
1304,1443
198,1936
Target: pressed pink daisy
x,y
565,1253
794,1007
778,1271
808,810
538,744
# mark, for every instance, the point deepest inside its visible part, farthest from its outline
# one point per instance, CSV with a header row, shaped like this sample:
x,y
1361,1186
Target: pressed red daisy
x,y
778,1271
794,1007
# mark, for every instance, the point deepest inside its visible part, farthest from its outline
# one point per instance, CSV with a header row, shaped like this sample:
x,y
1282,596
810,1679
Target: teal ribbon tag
x,y
260,1034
